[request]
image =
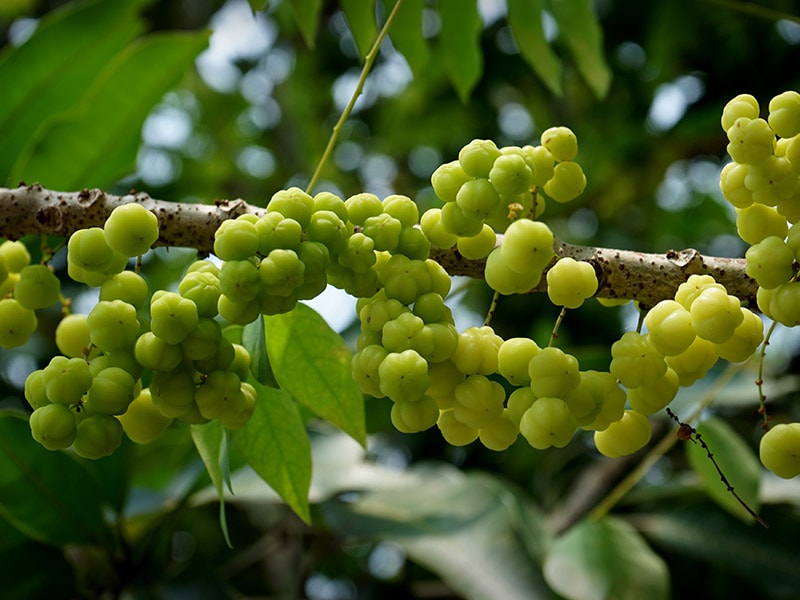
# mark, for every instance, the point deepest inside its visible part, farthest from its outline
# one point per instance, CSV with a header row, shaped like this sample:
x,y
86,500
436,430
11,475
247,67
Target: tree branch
x,y
647,278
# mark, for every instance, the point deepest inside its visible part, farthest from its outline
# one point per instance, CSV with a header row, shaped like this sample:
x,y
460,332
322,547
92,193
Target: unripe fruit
x,y
626,436
143,422
53,426
131,229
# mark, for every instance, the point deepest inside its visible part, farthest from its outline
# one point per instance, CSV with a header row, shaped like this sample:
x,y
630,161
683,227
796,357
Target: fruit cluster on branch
x,y
644,277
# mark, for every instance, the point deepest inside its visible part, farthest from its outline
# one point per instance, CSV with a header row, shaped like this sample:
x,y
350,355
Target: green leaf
x,y
257,5
47,495
407,36
605,559
766,557
525,20
312,363
737,461
466,528
307,15
460,46
360,16
275,444
53,69
579,26
212,446
96,143
254,340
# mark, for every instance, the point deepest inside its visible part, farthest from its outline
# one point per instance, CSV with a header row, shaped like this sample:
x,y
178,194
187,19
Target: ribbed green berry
x,y
97,436
413,417
37,287
779,450
743,105
570,282
113,324
784,114
142,422
447,179
626,436
17,323
53,426
454,431
670,327
478,401
236,239
548,422
292,203
561,142
172,317
477,157
131,229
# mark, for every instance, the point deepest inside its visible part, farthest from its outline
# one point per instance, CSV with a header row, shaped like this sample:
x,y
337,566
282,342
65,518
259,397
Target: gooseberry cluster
x,y
93,392
24,288
762,182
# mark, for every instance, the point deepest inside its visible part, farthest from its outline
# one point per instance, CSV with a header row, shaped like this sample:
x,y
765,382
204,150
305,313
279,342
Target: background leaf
x,y
96,143
306,14
460,44
212,446
53,69
605,559
47,495
407,35
360,15
465,528
525,20
275,444
578,25
767,558
738,462
254,340
312,363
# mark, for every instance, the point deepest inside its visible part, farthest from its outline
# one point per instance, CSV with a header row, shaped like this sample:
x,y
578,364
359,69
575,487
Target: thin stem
x,y
492,308
687,432
762,397
556,325
663,446
369,60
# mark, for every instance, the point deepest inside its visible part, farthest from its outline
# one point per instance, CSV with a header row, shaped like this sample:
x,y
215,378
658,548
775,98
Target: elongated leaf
x,y
312,363
738,462
605,559
275,444
465,528
254,340
96,143
212,446
460,44
360,15
525,20
407,35
47,495
53,69
584,37
307,15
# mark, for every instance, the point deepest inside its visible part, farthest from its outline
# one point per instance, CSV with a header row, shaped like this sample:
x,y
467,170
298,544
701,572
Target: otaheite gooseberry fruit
x,y
779,450
131,229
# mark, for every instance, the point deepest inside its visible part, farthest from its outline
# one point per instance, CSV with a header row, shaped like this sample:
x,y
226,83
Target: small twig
x,y
492,308
369,60
687,432
762,397
556,325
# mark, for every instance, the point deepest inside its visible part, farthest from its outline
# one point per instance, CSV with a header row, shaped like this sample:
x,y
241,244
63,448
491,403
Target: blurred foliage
x,y
411,516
